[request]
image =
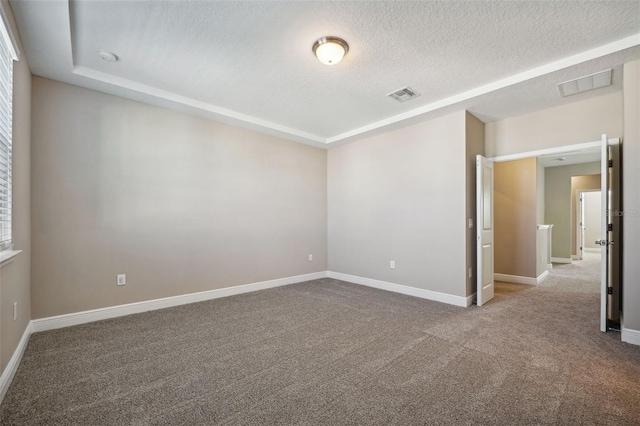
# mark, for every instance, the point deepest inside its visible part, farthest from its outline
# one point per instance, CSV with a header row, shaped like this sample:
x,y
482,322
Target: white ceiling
x,y
250,63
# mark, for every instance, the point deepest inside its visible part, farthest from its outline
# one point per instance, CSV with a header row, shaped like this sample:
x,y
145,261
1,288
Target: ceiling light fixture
x,y
330,50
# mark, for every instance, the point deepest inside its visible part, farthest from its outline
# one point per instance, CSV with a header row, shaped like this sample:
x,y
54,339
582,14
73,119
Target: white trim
x,y
7,256
575,257
67,320
10,371
549,266
591,250
560,260
630,336
543,276
404,289
547,151
516,279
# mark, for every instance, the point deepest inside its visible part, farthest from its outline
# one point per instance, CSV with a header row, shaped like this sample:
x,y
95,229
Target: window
x,y
7,56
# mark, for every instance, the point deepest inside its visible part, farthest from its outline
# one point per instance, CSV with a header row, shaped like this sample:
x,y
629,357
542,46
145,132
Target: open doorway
x,y
537,205
544,220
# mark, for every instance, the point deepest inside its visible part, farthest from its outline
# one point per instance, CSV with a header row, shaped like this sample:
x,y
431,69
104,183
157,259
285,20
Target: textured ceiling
x,y
250,63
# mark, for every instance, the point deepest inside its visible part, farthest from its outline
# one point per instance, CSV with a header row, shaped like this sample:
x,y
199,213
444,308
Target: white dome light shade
x,y
330,50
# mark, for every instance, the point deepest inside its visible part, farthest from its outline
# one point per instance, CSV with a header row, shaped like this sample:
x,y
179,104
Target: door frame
x,y
561,150
549,151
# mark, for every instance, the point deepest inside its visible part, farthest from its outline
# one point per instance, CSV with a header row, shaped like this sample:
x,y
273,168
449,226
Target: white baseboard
x,y
515,279
403,289
543,276
630,336
76,318
592,250
560,260
575,257
549,266
471,299
10,371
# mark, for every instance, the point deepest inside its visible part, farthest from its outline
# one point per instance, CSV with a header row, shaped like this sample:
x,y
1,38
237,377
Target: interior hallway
x,y
582,276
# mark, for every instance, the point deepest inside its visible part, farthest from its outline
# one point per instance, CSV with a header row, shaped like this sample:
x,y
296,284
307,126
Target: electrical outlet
x,y
310,258
122,279
392,264
470,223
15,311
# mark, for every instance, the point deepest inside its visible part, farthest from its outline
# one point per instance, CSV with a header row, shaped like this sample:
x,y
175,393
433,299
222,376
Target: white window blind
x,y
7,56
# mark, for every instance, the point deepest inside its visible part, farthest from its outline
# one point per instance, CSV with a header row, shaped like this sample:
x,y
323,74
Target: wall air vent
x,y
404,94
584,84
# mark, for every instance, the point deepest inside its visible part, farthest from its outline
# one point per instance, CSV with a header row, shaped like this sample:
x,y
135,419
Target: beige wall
x,y
401,196
631,196
577,122
558,204
15,276
474,146
539,193
515,193
178,203
580,183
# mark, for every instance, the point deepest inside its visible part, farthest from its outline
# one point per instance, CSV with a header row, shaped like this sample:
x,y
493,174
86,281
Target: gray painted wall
x,y
631,197
558,201
15,277
178,203
401,196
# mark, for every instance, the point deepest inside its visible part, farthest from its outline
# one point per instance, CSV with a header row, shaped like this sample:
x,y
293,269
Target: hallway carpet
x,y
581,276
334,353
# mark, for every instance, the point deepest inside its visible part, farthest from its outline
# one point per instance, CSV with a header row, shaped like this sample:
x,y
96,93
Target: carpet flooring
x,y
582,276
330,352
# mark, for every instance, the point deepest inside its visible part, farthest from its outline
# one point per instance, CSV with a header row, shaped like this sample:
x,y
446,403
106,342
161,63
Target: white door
x,y
604,233
581,226
484,225
610,232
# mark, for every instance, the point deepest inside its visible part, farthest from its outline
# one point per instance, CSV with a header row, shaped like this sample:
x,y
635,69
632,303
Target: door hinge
x,y
580,248
610,227
609,290
610,163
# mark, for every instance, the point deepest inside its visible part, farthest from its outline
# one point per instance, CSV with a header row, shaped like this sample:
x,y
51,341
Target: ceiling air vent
x,y
584,84
404,94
